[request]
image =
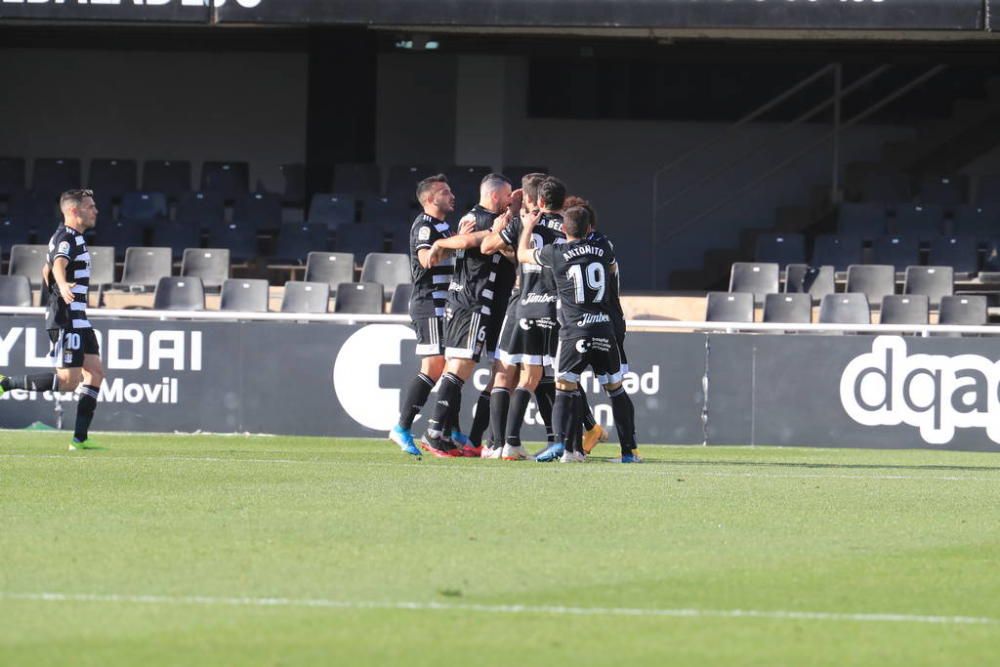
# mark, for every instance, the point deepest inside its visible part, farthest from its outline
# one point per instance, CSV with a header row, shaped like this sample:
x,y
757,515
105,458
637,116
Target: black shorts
x,y
575,355
529,341
466,333
69,346
430,339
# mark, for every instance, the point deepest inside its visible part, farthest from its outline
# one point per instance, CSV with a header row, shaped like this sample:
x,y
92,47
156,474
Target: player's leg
x,y
430,351
64,378
481,416
593,433
504,380
465,337
93,378
530,374
607,366
569,364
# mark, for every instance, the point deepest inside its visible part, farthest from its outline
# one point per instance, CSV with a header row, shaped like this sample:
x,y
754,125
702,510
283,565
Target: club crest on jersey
x,y
424,233
64,247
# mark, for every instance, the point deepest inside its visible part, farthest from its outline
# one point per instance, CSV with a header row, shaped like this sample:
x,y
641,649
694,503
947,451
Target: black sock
x,y
588,415
451,389
574,432
499,406
562,412
416,396
515,416
40,382
545,396
481,420
85,411
624,412
452,422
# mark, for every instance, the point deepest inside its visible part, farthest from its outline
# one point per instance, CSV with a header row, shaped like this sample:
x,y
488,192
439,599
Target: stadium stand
x,y
789,308
360,179
388,269
386,213
229,179
400,303
211,265
177,236
359,239
976,221
754,278
53,176
244,295
15,291
170,177
33,211
897,251
963,309
12,176
874,281
143,207
102,265
12,233
360,299
260,209
303,297
145,267
297,240
294,192
988,191
844,309
958,252
402,182
945,191
904,309
780,249
178,293
120,235
932,281
920,220
331,268
27,261
729,307
113,177
863,220
205,209
815,281
331,210
241,240
837,251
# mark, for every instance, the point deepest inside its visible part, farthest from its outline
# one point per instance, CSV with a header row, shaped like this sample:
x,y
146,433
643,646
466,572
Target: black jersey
x,y
430,286
481,281
614,286
583,271
537,297
69,244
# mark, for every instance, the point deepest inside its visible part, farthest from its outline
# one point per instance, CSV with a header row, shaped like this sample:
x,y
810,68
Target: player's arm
x,y
59,265
46,274
525,244
494,240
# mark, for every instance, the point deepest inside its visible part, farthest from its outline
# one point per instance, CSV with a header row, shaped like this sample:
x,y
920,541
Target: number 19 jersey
x,y
583,272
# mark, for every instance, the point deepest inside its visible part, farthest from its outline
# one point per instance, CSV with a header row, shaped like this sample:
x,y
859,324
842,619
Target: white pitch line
x,y
678,471
552,610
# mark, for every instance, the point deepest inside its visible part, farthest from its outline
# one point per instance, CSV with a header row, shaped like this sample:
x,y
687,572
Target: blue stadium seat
x,y
260,209
464,181
866,221
144,206
13,233
981,222
781,249
205,209
958,252
12,176
120,235
387,213
898,251
113,177
297,240
171,177
178,236
945,191
241,240
988,190
331,209
360,239
360,179
35,212
403,179
53,176
294,192
920,220
229,179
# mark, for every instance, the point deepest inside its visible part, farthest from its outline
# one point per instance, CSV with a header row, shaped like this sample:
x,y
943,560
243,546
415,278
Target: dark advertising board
x,y
141,11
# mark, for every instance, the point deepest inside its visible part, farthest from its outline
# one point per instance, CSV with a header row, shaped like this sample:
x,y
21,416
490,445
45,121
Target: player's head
x,y
573,200
576,222
551,194
78,208
435,196
529,185
494,192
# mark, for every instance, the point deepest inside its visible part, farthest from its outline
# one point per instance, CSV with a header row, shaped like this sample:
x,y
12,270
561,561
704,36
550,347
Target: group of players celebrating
x,y
528,280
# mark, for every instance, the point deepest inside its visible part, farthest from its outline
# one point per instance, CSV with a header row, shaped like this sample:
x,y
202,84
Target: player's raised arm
x,y
525,245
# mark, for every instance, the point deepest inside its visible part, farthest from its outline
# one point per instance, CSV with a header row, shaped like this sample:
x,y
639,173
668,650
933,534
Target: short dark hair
x,y
576,221
425,186
494,179
551,193
75,196
574,200
530,183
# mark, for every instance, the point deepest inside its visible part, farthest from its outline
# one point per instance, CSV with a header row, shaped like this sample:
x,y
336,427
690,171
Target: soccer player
x,y
75,351
470,308
582,269
431,277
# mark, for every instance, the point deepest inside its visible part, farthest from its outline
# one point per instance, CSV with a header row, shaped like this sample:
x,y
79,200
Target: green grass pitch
x,y
198,550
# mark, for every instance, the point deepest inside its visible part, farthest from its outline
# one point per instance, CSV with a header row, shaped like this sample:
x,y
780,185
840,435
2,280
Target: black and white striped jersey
x,y
70,244
481,282
430,286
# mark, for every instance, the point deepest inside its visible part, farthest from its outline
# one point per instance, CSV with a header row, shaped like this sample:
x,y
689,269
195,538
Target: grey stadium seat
x,y
904,309
209,264
27,261
360,299
15,291
244,295
969,310
816,283
845,309
146,267
389,269
332,268
933,281
782,249
303,297
756,278
102,265
873,280
178,293
729,307
791,308
400,304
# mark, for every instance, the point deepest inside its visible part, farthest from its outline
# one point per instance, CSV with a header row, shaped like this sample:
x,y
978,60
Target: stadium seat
x,y
13,233
845,309
27,261
897,251
15,291
113,177
360,239
34,211
790,308
244,295
757,279
963,309
360,179
817,283
178,236
211,265
102,265
988,190
932,281
873,280
178,293
781,249
260,209
464,181
53,176
403,179
958,252
331,268
399,241
120,235
303,297
904,309
12,173
331,210
231,180
360,299
294,192
389,269
866,221
205,209
297,240
886,185
171,177
145,267
143,206
400,304
241,240
946,191
979,222
836,251
921,221
516,172
387,213
729,307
